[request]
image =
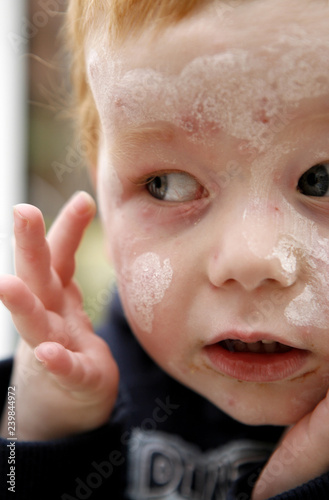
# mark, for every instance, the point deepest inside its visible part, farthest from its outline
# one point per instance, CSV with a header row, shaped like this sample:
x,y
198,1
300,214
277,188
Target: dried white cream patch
x,y
284,251
147,285
310,307
307,310
244,95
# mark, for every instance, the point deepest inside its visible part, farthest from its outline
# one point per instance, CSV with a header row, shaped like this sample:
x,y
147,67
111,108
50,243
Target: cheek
x,y
296,243
310,308
143,283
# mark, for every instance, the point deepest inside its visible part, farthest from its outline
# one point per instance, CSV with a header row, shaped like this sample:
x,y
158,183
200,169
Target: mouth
x,y
264,360
260,347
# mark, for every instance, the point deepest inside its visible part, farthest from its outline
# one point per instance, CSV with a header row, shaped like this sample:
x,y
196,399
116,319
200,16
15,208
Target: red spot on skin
x,y
118,102
216,256
190,124
193,124
273,208
261,116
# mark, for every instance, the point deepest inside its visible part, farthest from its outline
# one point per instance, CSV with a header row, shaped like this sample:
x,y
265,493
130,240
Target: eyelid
x,y
147,178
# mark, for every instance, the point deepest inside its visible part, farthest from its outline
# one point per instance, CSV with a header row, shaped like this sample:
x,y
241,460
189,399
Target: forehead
x,y
233,70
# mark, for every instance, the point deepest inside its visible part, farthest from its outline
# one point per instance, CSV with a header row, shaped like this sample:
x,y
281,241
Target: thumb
x,y
302,455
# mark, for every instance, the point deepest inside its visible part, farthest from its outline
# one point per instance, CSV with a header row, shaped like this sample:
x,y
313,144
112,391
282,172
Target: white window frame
x,y
14,42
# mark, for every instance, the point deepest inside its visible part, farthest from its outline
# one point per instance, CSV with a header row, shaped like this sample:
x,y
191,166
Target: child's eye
x,y
315,181
176,186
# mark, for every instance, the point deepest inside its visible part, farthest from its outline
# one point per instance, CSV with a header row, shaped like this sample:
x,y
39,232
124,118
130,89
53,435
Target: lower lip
x,y
253,367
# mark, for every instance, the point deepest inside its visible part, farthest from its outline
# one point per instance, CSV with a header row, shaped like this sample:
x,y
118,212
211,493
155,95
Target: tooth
x,y
254,347
229,345
270,347
240,346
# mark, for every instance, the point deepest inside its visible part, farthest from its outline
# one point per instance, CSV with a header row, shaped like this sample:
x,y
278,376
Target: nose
x,y
251,255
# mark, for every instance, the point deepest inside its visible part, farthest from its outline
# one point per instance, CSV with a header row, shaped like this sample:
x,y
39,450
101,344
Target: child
x,y
211,160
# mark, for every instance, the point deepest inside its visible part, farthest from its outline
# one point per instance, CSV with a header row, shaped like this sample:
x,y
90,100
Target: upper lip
x,y
250,337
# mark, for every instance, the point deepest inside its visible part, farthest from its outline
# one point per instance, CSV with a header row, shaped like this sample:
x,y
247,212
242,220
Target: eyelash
x,y
147,178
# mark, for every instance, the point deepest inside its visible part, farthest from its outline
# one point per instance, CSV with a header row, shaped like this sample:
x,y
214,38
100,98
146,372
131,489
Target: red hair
x,y
118,17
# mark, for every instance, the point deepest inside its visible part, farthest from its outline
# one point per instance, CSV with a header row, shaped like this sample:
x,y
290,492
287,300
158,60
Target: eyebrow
x,y
127,140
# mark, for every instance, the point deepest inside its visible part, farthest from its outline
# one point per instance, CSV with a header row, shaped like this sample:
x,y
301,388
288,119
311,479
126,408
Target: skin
x,y
231,236
224,243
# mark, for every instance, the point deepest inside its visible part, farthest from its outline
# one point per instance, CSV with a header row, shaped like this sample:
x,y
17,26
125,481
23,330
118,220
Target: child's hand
x,y
66,379
302,455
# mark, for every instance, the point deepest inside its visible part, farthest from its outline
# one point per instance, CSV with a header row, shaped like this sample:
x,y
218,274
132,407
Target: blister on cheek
x,y
146,283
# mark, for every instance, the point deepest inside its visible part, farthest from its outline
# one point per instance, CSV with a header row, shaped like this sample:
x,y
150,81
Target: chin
x,y
250,418
258,411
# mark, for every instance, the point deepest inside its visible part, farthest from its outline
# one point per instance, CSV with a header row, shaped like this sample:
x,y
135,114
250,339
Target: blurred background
x,y
42,160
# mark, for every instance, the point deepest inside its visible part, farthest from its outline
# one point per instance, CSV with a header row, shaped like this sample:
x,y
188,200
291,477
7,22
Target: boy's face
x,y
213,184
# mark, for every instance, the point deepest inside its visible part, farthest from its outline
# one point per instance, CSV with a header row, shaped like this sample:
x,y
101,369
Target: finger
x,y
32,256
35,323
28,312
74,371
301,456
65,235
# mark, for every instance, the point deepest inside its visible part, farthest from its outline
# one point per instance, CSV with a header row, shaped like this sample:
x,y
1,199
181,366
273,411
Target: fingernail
x,y
21,222
82,203
40,360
